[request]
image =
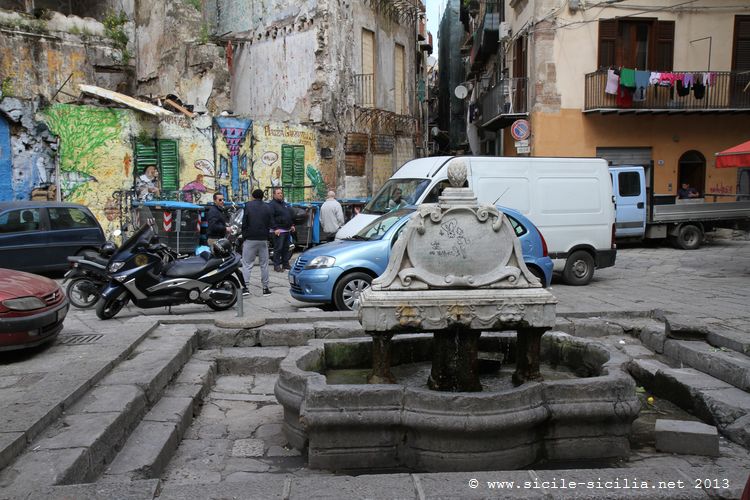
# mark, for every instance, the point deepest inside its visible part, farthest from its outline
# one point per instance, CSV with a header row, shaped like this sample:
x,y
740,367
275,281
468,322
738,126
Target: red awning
x,y
738,156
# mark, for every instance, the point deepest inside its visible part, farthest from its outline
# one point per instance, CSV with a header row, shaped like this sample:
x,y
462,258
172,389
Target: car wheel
x,y
222,304
539,275
348,290
82,293
579,268
108,308
689,237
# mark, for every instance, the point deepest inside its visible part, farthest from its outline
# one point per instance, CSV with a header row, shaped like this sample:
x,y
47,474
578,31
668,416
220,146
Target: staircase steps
x,y
78,445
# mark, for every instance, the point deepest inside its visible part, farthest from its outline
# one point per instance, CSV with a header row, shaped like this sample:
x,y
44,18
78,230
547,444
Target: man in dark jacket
x,y
283,226
217,221
256,225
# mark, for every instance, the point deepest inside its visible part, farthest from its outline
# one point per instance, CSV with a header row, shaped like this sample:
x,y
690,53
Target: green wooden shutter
x,y
145,155
299,173
169,166
287,166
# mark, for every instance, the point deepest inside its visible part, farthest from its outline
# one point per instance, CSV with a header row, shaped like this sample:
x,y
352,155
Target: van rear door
x,y
629,187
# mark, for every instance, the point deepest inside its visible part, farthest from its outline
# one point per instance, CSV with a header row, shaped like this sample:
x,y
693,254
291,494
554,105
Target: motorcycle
x,y
88,275
149,274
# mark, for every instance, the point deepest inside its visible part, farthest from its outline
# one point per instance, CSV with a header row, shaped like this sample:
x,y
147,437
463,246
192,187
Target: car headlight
x,y
24,303
320,262
115,266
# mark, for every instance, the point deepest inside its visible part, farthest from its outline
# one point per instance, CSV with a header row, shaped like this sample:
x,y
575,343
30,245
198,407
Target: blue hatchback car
x,y
338,272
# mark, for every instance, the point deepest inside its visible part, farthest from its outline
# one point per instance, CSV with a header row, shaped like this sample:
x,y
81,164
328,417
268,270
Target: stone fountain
x,y
455,286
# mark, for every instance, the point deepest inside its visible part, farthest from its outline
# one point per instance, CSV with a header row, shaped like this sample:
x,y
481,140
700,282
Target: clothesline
x,y
630,85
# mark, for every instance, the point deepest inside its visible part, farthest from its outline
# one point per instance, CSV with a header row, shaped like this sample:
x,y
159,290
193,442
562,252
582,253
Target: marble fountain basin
x,y
583,410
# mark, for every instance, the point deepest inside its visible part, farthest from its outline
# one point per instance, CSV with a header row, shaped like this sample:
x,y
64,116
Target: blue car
x,y
338,272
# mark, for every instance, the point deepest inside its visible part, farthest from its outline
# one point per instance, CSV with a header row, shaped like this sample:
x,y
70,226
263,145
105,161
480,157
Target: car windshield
x,y
377,228
395,194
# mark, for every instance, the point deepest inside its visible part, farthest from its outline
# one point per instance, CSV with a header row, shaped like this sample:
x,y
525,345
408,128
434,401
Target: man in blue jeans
x,y
256,224
283,226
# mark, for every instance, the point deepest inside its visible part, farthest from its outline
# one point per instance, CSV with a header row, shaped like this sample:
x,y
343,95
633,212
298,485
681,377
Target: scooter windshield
x,y
146,232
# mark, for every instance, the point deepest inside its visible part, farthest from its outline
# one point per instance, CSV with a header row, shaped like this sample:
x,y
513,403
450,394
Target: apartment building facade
x,y
569,70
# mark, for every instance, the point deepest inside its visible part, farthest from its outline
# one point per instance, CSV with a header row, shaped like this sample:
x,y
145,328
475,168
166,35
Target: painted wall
x,y
244,15
668,136
271,165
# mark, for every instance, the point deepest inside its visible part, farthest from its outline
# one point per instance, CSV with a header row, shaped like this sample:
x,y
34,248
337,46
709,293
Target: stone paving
x,y
240,419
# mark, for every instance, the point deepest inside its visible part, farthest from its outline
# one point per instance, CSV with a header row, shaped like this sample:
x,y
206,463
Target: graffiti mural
x,y
287,156
87,135
6,162
234,179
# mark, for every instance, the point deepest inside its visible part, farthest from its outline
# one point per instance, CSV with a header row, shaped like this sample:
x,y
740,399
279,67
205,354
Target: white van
x,y
569,200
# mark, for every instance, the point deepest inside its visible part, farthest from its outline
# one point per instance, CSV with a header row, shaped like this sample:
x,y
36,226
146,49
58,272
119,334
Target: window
x,y
636,43
16,221
367,78
629,183
69,218
399,89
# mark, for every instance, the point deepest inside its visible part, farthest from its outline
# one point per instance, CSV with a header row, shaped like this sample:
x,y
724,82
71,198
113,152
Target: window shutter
x,y
299,174
607,40
664,57
145,155
169,165
741,59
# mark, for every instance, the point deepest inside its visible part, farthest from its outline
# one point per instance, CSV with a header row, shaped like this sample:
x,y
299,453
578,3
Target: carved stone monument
x,y
457,270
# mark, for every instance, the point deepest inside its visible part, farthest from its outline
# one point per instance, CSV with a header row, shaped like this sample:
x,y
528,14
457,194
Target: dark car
x,y
32,310
38,236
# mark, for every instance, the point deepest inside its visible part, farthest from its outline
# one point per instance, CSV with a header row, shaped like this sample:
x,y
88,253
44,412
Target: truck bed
x,y
701,212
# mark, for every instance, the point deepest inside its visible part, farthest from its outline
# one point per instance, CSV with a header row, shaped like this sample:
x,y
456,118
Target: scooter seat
x,y
191,267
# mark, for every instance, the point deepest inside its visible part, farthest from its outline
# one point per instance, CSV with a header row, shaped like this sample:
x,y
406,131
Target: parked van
x,y
569,199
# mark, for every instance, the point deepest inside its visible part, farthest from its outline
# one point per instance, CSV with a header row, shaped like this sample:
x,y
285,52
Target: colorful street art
x,y
287,156
87,135
234,177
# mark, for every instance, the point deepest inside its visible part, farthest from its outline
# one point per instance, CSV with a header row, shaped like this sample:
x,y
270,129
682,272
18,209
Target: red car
x,y
32,310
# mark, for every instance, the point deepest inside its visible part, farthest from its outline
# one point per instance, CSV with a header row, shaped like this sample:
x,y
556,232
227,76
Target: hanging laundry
x,y
627,78
641,84
699,90
655,78
666,79
624,97
709,79
682,89
688,79
613,80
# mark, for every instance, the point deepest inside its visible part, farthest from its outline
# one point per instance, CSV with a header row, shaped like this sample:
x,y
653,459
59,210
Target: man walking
x,y
256,224
283,226
331,217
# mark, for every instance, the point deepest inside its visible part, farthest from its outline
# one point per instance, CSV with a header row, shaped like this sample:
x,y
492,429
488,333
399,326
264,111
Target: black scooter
x,y
148,273
88,275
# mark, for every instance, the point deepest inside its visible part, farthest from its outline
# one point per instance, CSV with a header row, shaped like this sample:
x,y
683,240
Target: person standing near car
x,y
283,226
218,229
256,225
331,217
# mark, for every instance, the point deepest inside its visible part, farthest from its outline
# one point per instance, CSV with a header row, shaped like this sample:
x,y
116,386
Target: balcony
x,y
486,39
729,93
364,90
504,103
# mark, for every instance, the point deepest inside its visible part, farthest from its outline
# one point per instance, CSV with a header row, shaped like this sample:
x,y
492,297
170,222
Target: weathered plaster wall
x,y
27,151
273,78
175,58
243,15
37,56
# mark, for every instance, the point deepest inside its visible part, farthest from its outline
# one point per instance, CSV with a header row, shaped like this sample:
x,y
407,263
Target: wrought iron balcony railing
x,y
364,88
506,99
728,91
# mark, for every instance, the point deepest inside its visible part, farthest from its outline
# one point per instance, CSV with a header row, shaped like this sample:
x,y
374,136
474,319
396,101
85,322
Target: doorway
x,y
692,170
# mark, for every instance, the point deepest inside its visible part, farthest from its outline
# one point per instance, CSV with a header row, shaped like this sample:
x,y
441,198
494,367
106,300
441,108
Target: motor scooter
x,y
149,274
88,275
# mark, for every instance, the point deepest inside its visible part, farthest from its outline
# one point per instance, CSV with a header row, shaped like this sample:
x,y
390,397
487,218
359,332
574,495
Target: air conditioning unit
x,y
504,30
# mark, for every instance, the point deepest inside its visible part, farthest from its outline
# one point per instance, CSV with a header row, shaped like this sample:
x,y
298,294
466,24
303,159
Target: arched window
x,y
692,170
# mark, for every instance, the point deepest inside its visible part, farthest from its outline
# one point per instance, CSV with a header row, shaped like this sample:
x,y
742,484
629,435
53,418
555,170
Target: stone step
x,y
722,363
249,333
712,400
248,360
152,444
85,438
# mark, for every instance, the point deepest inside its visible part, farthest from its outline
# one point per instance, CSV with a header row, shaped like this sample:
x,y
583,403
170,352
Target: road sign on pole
x,y
520,130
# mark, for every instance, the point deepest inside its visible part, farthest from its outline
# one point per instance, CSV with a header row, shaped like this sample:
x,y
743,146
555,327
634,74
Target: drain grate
x,y
80,339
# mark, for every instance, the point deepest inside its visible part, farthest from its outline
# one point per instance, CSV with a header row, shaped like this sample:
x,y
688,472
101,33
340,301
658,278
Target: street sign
x,y
520,130
523,143
523,149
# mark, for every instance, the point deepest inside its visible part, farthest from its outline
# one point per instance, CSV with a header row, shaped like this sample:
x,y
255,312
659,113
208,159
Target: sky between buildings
x,y
435,9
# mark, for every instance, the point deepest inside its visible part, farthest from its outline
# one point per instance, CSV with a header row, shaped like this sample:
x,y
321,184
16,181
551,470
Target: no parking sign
x,y
520,130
